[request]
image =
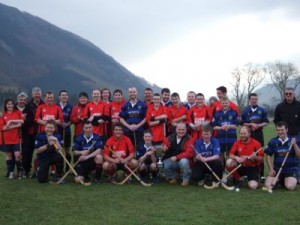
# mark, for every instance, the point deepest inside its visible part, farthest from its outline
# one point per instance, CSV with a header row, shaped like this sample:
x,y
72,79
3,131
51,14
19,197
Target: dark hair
x,y
118,91
200,95
222,89
148,132
86,122
5,103
156,94
118,124
175,94
148,89
281,124
105,89
62,92
167,90
252,94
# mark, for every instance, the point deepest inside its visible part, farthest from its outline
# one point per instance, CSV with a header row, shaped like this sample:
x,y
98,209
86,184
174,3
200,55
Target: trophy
x,y
159,153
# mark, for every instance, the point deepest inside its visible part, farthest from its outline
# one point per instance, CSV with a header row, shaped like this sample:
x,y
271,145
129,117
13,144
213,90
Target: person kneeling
x,y
207,150
244,152
279,147
147,158
118,153
47,144
178,155
87,150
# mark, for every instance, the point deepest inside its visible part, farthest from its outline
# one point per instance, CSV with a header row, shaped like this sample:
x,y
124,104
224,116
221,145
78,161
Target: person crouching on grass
x,y
243,152
88,158
279,147
146,157
178,155
47,144
13,121
207,150
118,151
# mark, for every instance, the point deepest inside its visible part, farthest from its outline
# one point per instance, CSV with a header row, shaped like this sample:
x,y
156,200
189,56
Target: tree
x,y
281,73
245,80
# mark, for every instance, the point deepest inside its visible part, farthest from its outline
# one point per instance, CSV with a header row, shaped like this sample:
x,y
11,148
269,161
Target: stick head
x,y
237,190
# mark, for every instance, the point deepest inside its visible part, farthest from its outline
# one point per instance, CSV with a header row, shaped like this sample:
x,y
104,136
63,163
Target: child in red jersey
x,y
13,120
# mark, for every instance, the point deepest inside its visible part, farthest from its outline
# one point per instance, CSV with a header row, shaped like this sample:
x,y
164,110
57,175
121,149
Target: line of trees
x,y
248,77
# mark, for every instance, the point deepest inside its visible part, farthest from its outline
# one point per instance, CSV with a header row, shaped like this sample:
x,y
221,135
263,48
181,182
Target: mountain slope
x,y
34,52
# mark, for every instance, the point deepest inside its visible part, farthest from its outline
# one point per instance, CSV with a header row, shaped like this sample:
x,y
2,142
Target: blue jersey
x,y
213,148
229,117
279,149
41,139
133,114
67,109
82,143
141,150
254,115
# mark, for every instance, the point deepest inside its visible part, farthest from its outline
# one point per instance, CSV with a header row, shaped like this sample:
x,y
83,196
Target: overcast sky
x,y
181,44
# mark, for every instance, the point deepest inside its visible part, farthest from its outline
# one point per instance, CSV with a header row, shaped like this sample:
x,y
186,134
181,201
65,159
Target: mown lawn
x,y
28,202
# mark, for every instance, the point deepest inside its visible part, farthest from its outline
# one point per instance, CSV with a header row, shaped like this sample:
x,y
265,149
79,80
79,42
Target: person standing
x,y
191,100
33,127
289,112
133,117
12,140
255,117
64,128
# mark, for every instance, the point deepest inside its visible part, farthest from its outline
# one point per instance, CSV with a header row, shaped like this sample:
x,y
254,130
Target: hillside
x,y
34,52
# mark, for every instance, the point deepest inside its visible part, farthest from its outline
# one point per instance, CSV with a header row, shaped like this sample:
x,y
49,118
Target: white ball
x,y
270,191
237,190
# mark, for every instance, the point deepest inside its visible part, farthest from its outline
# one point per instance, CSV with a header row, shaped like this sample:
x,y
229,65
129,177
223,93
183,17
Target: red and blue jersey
x,y
279,149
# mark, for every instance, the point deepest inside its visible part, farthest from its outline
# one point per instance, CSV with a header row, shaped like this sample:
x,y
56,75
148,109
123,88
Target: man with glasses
x,y
289,112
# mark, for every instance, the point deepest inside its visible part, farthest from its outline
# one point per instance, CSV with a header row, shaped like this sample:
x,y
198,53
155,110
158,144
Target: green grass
x,y
28,202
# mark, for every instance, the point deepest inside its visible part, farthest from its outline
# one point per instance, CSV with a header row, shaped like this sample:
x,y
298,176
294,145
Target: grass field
x,y
28,202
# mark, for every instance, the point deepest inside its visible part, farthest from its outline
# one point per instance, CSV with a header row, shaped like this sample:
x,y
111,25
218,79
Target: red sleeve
x,y
234,107
60,114
188,152
234,148
189,117
109,144
74,117
130,147
209,114
166,142
38,113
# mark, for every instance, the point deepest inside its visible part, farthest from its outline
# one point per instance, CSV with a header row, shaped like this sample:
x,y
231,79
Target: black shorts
x,y
120,166
67,141
11,148
250,171
85,167
282,176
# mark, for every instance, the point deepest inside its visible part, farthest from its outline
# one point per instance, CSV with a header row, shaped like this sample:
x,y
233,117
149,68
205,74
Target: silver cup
x,y
159,153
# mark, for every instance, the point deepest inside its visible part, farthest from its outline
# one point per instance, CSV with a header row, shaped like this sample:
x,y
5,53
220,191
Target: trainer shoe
x,y
185,183
11,175
201,182
173,181
155,180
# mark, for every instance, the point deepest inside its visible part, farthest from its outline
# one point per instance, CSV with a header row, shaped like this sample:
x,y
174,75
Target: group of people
x,y
123,137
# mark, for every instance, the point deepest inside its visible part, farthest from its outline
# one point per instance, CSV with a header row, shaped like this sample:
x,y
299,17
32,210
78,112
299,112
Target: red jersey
x,y
158,130
93,109
122,147
198,115
241,149
12,136
78,114
48,112
113,109
218,107
1,130
174,113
